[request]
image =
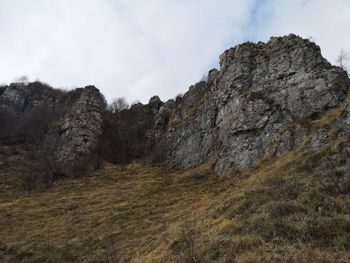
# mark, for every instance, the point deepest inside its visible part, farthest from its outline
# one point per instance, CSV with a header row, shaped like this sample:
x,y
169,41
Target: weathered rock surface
x,y
80,130
161,119
154,104
74,119
13,97
266,100
259,104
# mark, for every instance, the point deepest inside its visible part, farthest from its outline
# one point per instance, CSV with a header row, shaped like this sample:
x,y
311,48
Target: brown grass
x,y
288,209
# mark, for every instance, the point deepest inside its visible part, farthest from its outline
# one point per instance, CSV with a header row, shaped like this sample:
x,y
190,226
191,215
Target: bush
x,y
185,249
125,135
36,176
7,126
118,105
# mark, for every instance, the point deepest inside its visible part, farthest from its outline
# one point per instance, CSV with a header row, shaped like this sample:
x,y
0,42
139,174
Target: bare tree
x,y
119,104
7,121
186,251
311,39
22,80
135,102
28,177
343,59
204,78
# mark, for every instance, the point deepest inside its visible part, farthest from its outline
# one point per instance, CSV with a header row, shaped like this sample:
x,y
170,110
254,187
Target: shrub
x,y
185,248
118,105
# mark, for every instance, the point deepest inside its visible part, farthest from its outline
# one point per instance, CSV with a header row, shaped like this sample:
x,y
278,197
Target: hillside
x,y
279,212
250,165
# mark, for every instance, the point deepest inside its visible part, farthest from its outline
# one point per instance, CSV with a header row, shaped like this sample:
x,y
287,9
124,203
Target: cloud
x,y
325,22
137,49
126,48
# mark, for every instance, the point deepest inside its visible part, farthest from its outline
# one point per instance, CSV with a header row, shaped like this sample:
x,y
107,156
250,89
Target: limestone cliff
x,y
64,126
266,100
13,97
79,131
260,103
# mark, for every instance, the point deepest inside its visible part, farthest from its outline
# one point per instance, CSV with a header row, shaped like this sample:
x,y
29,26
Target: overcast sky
x,y
136,49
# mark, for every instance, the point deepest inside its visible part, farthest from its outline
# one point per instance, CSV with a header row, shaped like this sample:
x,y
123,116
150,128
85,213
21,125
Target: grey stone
x,y
240,115
262,102
80,130
13,98
154,104
319,139
73,136
162,117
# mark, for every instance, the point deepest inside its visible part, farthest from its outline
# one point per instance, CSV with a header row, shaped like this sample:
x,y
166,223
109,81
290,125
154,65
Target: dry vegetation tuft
x,y
294,209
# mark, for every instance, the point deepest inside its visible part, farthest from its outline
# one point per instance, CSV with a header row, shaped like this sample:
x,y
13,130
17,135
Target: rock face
x,y
266,100
73,120
80,130
13,97
154,104
258,104
162,116
18,97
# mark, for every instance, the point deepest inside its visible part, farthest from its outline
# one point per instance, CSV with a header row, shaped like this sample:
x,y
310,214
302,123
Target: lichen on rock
x,y
259,89
80,130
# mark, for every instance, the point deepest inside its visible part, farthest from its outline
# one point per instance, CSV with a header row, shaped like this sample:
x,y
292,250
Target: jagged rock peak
x,y
248,50
80,130
74,119
13,97
154,104
241,114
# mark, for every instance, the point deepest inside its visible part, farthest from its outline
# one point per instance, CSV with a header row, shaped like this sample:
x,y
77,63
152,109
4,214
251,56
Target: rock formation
x,y
79,131
73,120
13,97
262,102
259,104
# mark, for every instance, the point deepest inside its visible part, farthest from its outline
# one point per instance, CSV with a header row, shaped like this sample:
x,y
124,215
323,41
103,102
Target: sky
x,y
136,48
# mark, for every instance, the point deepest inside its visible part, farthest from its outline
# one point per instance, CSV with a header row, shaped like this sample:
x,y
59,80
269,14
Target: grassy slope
x,y
143,213
287,210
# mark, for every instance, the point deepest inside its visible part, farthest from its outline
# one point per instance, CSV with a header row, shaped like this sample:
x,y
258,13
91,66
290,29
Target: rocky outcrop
x,y
79,131
259,104
18,98
70,122
161,119
266,100
154,104
13,97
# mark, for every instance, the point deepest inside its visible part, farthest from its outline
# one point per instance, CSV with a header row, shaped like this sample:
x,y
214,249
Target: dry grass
x,y
331,115
134,205
282,211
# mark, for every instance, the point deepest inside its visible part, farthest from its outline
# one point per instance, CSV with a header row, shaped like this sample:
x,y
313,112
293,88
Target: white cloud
x,y
126,48
137,49
327,22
